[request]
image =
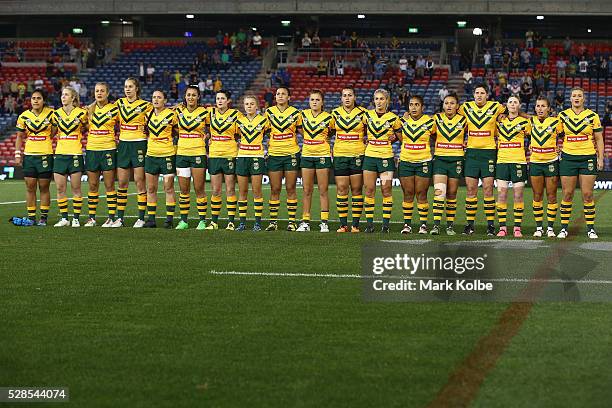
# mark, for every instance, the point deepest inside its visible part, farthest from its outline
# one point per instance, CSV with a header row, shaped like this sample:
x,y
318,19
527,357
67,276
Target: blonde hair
x,y
251,96
76,101
387,96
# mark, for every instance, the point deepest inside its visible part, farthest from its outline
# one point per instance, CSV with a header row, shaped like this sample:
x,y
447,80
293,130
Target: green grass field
x,y
135,318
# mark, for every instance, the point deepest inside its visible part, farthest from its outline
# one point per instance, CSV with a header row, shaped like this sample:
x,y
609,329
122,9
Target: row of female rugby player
x,y
479,139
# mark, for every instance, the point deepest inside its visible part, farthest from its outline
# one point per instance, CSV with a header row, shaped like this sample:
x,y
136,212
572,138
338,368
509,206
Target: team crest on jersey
x,y
549,129
166,121
109,115
259,127
459,126
587,121
491,112
470,110
387,125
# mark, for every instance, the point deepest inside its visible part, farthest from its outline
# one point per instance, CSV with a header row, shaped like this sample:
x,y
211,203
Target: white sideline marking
x,y
342,276
407,241
54,199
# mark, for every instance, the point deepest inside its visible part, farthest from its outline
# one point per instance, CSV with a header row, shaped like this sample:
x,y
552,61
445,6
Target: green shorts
x,y
378,165
451,166
38,166
290,162
160,165
186,162
348,166
220,165
409,169
316,162
68,164
101,160
514,172
550,169
573,165
480,163
250,166
131,154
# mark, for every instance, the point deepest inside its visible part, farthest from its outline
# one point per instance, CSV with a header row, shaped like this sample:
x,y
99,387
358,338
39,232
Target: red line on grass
x,y
465,381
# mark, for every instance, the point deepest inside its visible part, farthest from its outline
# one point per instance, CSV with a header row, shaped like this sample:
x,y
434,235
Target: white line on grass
x,y
353,276
53,199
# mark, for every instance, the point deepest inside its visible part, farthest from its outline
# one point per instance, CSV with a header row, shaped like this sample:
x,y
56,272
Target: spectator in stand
x,y
257,41
515,63
515,88
141,72
506,62
218,85
379,70
233,41
322,67
567,46
316,40
182,86
241,37
468,80
429,67
410,74
496,92
150,73
21,90
268,79
225,59
14,88
354,40
571,69
538,81
487,59
546,78
502,79
227,42
202,86
544,52
209,85
505,94
603,67
442,93
177,77
529,39
332,67
306,41
174,91
10,104
559,100
537,39
340,67
583,66
395,43
455,60
403,64
525,58
526,78
607,119
526,93
39,83
561,65
420,67
219,39
268,98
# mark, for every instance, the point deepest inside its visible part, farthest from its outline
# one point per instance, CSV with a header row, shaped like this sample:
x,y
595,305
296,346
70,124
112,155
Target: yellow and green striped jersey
x,y
37,130
450,135
350,130
223,132
283,130
380,128
133,119
543,141
69,130
102,123
191,131
481,123
416,138
578,131
252,132
316,130
160,127
511,134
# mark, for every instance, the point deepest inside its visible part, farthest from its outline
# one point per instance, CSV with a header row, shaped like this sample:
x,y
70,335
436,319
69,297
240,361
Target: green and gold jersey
x,y
380,128
252,134
543,141
511,134
481,123
160,127
417,135
350,130
223,132
578,131
102,123
450,134
283,130
133,119
316,130
191,131
37,130
69,130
